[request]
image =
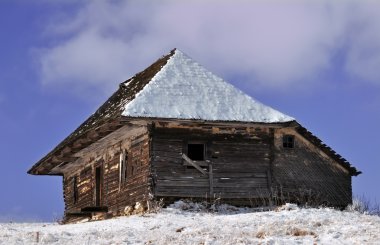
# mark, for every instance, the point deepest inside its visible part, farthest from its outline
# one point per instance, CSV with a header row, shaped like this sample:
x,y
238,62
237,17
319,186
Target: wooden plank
x,y
168,183
240,175
181,194
187,159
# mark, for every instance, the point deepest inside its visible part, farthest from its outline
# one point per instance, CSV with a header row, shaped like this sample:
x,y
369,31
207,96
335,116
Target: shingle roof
x,y
183,89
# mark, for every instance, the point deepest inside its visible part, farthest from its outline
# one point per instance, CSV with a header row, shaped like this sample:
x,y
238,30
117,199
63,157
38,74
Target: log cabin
x,y
175,130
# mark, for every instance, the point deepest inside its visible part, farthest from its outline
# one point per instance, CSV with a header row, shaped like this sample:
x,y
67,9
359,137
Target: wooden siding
x,y
114,196
237,160
136,186
306,174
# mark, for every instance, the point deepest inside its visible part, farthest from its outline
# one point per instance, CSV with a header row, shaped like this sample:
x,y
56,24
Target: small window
x,y
196,152
288,141
75,189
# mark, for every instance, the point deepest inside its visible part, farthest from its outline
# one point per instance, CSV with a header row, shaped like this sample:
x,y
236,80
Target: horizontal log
x,y
161,184
239,174
240,186
182,194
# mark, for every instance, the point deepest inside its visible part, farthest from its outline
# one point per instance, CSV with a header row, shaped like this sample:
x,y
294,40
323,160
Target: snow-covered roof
x,y
184,89
173,87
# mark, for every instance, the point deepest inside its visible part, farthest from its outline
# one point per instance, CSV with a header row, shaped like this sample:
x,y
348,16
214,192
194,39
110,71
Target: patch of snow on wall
x,y
184,89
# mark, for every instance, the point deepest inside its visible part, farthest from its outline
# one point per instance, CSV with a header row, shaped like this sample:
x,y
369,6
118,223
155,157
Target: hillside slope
x,y
230,225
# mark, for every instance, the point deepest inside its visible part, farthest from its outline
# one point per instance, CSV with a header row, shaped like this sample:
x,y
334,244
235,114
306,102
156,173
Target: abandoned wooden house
x,y
175,130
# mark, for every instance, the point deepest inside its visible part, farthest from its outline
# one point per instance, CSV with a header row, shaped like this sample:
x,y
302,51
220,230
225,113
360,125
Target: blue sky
x,y
317,61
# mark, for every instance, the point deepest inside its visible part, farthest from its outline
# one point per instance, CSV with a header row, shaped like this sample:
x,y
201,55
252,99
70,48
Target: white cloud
x,y
363,56
87,57
278,43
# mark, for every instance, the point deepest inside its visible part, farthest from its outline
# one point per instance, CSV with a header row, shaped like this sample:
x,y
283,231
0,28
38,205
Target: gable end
x,y
327,150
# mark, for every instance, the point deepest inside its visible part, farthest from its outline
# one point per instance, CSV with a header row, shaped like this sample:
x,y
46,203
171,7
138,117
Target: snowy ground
x,y
229,226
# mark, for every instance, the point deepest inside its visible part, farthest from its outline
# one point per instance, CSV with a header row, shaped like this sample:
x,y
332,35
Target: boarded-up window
x,y
75,189
288,141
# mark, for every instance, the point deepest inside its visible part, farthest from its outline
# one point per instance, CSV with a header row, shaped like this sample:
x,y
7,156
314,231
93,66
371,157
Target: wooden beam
x,y
64,158
66,150
187,159
211,179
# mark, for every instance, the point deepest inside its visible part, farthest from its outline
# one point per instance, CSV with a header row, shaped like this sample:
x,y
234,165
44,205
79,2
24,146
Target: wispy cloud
x,y
278,43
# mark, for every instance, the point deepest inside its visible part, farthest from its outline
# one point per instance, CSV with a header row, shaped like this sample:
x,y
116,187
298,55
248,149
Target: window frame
x,y
288,141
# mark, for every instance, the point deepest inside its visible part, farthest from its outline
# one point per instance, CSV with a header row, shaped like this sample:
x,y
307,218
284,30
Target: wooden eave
x,y
137,120
64,153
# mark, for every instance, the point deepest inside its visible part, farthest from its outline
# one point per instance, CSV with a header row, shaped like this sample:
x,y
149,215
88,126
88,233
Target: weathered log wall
x,y
135,186
237,160
247,162
243,163
306,174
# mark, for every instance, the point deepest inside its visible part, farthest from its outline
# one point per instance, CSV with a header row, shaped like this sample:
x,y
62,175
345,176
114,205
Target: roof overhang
x,y
63,153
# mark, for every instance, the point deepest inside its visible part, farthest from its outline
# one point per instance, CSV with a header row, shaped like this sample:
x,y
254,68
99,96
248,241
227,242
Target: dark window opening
x,y
196,152
75,189
125,171
288,141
